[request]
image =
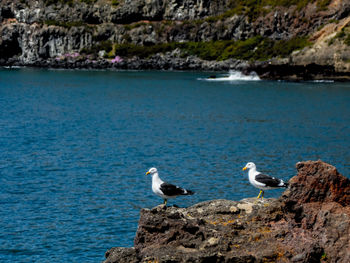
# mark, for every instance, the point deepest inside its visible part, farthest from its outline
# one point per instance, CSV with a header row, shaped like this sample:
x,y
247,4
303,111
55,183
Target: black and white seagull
x,y
165,190
262,181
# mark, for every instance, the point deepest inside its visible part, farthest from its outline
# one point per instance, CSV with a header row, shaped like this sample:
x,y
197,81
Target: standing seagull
x,y
165,190
262,181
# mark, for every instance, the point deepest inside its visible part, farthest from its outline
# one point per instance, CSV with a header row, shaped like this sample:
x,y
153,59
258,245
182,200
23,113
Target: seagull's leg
x,y
165,201
259,194
262,196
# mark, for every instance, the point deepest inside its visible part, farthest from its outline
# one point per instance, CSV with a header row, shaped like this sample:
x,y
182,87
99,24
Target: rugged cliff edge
x,y
310,222
296,40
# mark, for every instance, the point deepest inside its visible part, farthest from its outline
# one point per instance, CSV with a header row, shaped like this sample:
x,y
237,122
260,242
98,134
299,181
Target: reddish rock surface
x,y
319,182
309,223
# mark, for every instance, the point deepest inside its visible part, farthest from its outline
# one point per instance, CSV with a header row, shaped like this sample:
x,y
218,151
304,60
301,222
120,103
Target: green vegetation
x,y
333,21
323,4
342,35
115,2
103,45
345,35
347,40
256,48
134,25
67,2
127,37
89,2
53,2
255,8
64,24
129,50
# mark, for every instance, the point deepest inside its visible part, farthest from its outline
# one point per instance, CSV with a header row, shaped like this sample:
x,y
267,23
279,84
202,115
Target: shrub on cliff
x,y
67,2
255,48
103,45
68,24
253,8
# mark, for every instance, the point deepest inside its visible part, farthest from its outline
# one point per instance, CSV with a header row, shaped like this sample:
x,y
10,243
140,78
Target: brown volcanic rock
x,y
121,254
309,223
317,204
211,231
318,182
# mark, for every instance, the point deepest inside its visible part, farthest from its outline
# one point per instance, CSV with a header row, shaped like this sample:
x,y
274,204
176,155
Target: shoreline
x,y
295,42
266,70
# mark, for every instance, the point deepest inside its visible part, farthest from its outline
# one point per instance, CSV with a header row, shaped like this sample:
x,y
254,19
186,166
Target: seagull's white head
x,y
249,166
152,171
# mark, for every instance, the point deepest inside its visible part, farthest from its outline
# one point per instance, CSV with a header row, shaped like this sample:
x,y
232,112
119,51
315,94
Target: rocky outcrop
x,y
328,48
318,182
33,43
38,33
310,222
98,12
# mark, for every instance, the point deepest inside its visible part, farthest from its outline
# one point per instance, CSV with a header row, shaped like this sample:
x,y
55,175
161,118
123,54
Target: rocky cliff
x,y
310,222
279,39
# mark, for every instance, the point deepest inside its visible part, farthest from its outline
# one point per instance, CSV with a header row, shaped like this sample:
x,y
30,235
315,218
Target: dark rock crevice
x,y
9,46
6,12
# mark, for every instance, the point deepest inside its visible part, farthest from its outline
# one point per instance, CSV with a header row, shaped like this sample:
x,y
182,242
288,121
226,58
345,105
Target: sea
x,y
75,147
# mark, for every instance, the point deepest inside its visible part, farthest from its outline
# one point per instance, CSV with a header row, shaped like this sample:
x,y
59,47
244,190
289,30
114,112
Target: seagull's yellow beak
x,y
244,168
147,173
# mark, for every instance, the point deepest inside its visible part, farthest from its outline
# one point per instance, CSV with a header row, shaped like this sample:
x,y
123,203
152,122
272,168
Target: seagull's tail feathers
x,y
283,184
187,192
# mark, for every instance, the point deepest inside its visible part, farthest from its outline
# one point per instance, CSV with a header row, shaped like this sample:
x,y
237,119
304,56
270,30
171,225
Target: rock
x,y
310,222
121,254
247,207
33,30
201,232
317,181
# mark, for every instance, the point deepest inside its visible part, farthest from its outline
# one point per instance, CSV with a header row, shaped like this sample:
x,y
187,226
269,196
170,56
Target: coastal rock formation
x,y
46,32
310,222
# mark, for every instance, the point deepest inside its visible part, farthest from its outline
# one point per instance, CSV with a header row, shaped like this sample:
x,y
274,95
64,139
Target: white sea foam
x,y
234,76
322,81
12,67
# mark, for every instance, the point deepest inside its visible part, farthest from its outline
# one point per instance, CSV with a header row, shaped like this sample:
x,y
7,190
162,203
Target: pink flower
x,y
117,59
73,55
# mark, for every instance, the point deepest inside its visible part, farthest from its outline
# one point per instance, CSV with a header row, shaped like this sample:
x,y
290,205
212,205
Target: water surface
x,y
75,146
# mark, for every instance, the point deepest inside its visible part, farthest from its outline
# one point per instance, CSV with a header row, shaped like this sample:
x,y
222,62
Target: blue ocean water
x,y
75,146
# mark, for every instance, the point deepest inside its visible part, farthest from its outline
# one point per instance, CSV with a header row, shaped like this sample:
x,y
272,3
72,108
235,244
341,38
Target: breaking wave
x,y
234,76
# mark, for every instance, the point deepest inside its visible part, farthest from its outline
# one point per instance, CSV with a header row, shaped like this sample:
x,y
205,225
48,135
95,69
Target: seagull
x,y
262,181
165,190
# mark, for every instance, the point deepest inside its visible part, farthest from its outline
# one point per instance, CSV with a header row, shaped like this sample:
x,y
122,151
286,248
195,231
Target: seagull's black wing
x,y
173,190
268,180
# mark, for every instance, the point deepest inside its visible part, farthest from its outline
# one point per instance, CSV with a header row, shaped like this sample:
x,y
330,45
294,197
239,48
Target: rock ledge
x,y
310,222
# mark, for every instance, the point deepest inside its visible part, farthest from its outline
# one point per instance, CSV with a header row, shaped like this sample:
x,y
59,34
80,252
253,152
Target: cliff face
x,y
98,12
33,31
48,32
309,223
